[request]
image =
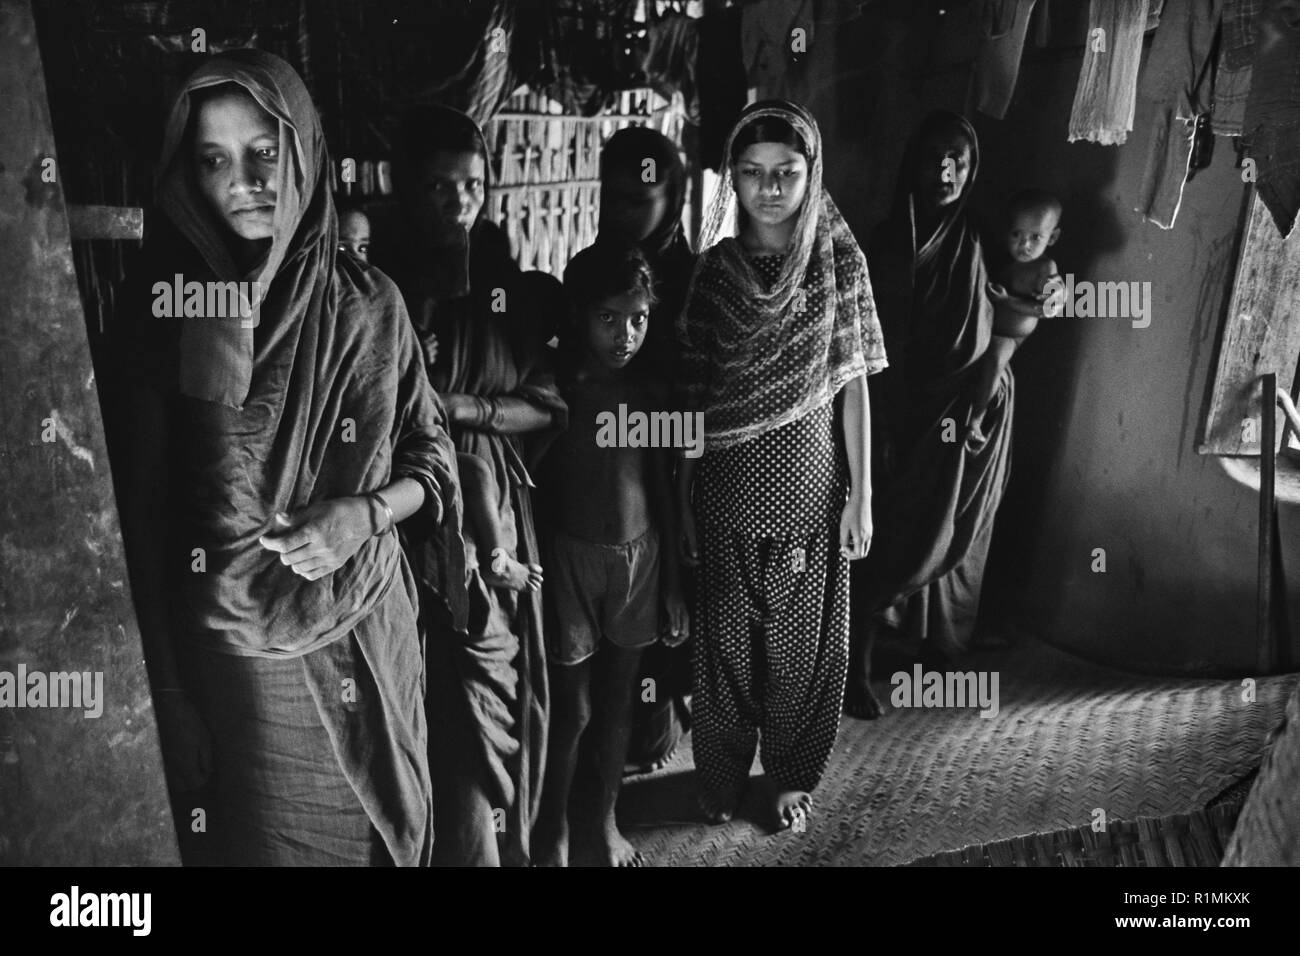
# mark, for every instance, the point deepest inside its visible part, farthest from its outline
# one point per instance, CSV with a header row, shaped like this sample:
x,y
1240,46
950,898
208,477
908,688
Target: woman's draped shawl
x,y
937,319
488,346
325,398
756,358
934,508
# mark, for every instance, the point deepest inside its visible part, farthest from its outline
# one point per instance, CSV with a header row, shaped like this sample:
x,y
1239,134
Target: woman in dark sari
x,y
937,493
487,681
642,203
268,456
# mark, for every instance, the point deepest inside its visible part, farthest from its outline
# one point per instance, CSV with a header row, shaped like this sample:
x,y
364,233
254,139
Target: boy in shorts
x,y
609,582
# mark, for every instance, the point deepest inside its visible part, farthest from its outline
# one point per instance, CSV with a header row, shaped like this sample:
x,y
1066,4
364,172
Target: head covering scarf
x,y
217,354
442,273
759,357
931,289
332,344
626,151
936,502
324,398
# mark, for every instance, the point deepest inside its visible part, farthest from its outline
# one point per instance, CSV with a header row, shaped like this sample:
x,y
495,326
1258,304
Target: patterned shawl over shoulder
x,y
758,357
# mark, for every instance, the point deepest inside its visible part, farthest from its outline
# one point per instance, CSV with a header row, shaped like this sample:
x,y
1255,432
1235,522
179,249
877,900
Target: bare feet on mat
x,y
717,807
649,766
663,761
615,850
790,806
506,572
861,702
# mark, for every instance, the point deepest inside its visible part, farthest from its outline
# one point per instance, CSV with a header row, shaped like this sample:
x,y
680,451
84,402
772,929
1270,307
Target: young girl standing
x,y
778,336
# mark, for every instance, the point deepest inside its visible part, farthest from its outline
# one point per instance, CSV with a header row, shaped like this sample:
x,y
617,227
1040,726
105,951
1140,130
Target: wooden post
x,y
79,785
1267,509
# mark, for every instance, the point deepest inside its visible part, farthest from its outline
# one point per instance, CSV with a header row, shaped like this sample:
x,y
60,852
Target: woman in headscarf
x,y
779,335
938,491
488,691
272,450
642,195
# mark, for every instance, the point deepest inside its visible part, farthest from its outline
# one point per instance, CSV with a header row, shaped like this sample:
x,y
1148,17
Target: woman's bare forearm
x,y
513,415
405,496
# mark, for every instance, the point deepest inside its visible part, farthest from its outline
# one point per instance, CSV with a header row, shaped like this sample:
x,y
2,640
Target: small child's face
x,y
771,180
354,235
615,328
1031,232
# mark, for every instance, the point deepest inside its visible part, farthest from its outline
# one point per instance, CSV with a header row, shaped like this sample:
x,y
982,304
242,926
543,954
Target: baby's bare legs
x,y
479,487
992,365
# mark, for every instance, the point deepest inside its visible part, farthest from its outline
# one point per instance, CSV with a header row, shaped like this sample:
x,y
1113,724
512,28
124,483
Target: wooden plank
x,y
1267,519
106,222
76,788
1261,334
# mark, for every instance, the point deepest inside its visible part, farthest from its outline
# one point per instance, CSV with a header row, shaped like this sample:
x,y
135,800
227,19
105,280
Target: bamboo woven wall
x,y
546,171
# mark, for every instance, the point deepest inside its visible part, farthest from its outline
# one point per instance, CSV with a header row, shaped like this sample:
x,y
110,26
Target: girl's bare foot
x,y
717,807
790,805
615,850
506,572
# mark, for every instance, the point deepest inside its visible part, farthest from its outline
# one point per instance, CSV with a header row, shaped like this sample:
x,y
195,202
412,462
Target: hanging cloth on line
x,y
1006,23
1107,92
1232,74
1177,80
1272,124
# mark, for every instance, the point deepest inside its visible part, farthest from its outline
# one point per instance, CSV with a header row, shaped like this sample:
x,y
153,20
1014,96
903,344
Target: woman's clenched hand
x,y
321,537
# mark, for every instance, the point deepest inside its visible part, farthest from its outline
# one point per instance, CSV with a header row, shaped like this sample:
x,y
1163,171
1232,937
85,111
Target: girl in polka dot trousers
x,y
778,336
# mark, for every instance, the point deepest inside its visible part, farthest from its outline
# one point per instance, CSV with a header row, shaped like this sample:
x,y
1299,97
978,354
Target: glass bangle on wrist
x,y
378,499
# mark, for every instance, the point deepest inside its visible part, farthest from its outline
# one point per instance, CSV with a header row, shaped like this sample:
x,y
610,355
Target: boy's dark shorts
x,y
601,590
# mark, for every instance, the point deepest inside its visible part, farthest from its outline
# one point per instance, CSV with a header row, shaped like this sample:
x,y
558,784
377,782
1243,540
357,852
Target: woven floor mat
x,y
1069,739
1180,839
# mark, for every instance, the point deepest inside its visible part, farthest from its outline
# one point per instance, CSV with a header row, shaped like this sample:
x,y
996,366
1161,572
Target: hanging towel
x,y
1107,90
1006,22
